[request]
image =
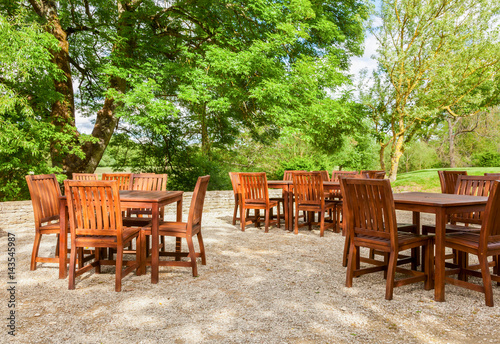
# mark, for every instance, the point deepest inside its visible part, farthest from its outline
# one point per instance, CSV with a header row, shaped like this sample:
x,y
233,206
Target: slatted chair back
x,y
490,229
373,174
94,209
472,186
84,176
287,175
45,191
234,182
308,188
197,201
492,174
324,175
148,182
448,180
369,208
123,179
337,174
253,187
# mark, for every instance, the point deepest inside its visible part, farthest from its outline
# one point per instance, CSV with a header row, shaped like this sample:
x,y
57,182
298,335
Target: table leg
x,y
155,255
440,255
63,238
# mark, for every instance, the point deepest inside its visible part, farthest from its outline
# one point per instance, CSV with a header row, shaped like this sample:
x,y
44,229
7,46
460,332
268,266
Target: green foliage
x,y
25,133
486,159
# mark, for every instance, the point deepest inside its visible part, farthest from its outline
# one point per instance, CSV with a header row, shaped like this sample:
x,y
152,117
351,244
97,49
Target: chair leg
x,y
296,231
97,253
351,265
485,272
202,249
428,265
235,212
80,257
278,214
391,272
178,248
139,247
192,255
118,272
72,267
346,250
266,221
57,247
243,218
321,223
34,254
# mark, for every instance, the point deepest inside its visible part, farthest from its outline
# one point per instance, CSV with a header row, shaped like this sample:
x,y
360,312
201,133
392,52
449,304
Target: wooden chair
x,y
448,180
373,174
235,181
185,230
144,182
310,196
472,186
122,178
95,220
255,195
84,176
324,175
484,244
44,191
371,221
336,175
492,174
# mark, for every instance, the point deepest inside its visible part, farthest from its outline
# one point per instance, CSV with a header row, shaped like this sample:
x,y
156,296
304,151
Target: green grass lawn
x,y
428,180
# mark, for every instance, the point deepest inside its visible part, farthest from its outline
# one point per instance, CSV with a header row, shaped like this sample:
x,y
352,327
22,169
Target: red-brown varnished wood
x,y
84,176
255,195
95,220
442,205
123,179
145,182
371,221
310,196
45,192
186,230
448,180
484,244
336,175
373,174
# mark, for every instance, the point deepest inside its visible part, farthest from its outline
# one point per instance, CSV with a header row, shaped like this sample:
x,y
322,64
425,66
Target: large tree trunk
x,y
451,141
396,153
381,153
63,112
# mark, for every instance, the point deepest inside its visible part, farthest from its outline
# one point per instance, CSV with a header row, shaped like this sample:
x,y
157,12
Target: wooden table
x,y
287,186
441,205
128,199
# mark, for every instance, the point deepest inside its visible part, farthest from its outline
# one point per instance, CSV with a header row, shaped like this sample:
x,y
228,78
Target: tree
x,y
436,56
26,92
115,49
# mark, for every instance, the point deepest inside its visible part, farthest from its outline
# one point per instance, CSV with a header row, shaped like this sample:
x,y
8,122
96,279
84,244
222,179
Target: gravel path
x,y
256,288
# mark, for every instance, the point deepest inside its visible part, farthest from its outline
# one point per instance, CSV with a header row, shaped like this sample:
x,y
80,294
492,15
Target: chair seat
x,y
89,240
469,240
406,240
451,228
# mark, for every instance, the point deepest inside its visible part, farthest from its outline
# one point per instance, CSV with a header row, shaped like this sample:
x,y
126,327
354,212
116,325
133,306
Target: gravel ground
x,y
257,287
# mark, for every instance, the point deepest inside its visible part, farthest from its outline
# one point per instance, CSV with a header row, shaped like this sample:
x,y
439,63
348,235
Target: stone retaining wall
x,y
13,214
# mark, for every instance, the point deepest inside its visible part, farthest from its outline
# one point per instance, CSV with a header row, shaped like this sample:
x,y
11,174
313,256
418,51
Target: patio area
x,y
256,288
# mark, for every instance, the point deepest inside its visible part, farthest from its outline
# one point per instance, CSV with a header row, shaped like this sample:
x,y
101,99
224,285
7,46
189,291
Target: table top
x,y
150,196
144,196
438,199
290,182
